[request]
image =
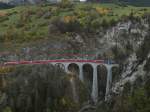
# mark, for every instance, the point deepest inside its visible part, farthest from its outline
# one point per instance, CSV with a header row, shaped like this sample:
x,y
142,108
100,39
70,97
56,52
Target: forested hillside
x,y
109,33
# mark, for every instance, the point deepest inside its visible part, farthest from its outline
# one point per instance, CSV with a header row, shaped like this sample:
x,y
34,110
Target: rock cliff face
x,y
130,39
126,41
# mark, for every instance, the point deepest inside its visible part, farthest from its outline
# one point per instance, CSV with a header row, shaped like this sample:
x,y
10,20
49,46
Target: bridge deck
x,y
53,61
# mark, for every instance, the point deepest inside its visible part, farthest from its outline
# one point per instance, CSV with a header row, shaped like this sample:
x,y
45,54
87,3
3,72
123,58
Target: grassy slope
x,y
35,24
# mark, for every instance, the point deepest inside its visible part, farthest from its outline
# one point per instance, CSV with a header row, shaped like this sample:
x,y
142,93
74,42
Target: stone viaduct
x,y
76,65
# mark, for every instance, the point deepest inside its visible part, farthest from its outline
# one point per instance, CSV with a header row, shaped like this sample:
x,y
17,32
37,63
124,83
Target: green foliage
x,y
3,19
64,27
7,109
34,20
103,108
131,100
65,4
36,89
139,101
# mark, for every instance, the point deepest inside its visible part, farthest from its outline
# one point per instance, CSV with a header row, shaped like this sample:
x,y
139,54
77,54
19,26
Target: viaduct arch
x,y
87,70
98,77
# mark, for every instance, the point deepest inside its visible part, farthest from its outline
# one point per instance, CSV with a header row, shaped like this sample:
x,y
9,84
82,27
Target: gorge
x,y
56,58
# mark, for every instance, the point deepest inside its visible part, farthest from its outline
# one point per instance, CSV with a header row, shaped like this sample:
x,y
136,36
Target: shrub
x,y
88,20
65,4
55,11
104,23
68,19
68,24
38,88
112,22
5,18
96,23
86,7
102,11
25,16
40,13
10,34
6,70
2,38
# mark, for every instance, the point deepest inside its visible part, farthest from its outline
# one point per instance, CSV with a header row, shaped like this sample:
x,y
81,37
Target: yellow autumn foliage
x,y
102,10
68,19
5,70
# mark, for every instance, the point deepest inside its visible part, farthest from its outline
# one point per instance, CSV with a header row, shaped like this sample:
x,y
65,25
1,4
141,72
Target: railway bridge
x,y
78,65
